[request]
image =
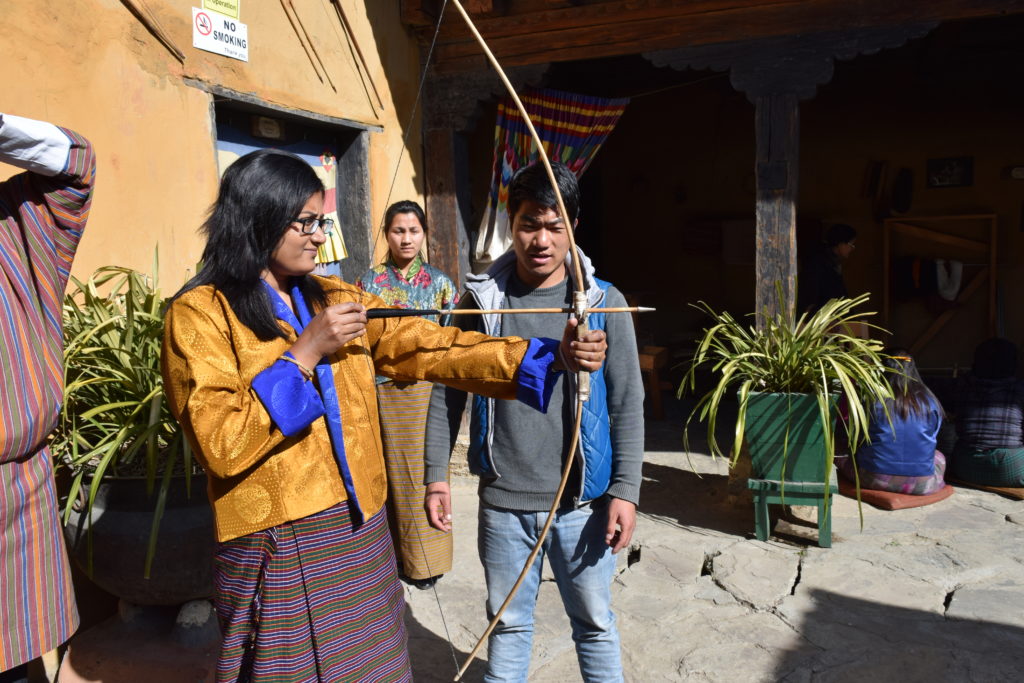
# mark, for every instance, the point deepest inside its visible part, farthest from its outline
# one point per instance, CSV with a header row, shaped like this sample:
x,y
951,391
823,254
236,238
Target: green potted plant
x,y
787,377
135,518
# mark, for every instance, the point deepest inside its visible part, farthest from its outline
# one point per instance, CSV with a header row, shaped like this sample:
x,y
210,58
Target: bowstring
x,y
368,355
577,289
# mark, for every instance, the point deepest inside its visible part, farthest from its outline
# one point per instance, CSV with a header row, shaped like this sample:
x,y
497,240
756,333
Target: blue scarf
x,y
328,392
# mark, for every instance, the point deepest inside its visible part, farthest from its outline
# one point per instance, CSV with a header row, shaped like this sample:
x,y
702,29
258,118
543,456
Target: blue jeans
x,y
583,567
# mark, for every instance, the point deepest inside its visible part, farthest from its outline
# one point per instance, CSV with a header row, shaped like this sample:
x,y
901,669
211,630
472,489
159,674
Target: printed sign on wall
x,y
219,34
228,7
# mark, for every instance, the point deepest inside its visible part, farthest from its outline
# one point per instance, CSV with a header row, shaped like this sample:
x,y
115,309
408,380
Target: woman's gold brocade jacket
x,y
259,478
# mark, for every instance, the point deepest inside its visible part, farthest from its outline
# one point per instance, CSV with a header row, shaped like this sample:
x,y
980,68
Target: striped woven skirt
x,y
924,485
37,602
422,550
312,600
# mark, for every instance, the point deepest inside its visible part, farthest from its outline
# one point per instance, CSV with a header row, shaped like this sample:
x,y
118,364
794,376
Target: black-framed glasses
x,y
310,225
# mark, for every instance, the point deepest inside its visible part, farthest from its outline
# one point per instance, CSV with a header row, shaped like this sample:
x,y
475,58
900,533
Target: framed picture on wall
x,y
950,172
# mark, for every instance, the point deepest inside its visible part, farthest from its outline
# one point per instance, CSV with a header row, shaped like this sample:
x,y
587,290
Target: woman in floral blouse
x,y
405,280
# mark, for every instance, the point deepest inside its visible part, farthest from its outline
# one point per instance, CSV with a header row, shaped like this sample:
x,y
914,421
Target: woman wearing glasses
x,y
270,371
405,280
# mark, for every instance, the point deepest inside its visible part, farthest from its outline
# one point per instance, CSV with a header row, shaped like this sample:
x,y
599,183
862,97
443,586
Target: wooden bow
x,y
579,310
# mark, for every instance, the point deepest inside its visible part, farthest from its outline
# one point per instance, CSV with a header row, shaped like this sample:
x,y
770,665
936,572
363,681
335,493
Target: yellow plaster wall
x,y
92,66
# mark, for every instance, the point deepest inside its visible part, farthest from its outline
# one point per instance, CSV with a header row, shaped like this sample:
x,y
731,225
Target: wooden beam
x,y
419,13
777,128
637,26
416,13
938,237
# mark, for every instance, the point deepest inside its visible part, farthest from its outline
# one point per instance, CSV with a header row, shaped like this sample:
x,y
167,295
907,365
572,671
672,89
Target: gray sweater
x,y
529,446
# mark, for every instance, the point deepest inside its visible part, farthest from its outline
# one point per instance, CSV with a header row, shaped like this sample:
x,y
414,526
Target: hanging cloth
x,y
948,278
326,388
573,127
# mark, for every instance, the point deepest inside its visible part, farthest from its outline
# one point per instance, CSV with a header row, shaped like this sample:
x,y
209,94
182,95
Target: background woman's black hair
x,y
405,206
911,395
839,233
260,195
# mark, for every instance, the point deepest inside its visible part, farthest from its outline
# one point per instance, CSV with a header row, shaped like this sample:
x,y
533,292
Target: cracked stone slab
x,y
742,648
865,580
659,600
716,643
707,589
849,602
1016,518
679,561
993,605
653,650
936,562
756,574
974,517
1001,551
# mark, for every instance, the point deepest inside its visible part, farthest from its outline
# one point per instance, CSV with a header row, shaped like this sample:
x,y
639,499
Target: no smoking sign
x,y
203,23
220,34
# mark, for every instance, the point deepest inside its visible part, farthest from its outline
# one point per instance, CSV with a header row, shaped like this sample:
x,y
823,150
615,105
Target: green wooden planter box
x,y
787,450
785,437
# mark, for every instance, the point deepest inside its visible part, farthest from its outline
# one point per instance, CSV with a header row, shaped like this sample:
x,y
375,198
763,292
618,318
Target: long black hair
x,y
911,395
260,195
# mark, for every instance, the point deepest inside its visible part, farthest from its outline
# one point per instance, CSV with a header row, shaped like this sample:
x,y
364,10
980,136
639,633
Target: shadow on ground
x,y
693,500
433,658
688,491
858,640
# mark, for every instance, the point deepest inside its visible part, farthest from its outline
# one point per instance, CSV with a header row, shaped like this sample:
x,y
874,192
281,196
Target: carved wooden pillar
x,y
777,124
775,74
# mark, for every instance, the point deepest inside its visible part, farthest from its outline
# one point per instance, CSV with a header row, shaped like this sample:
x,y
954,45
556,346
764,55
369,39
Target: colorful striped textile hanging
x,y
573,128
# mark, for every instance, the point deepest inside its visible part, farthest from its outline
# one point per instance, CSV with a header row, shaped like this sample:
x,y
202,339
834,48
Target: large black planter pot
x,y
122,516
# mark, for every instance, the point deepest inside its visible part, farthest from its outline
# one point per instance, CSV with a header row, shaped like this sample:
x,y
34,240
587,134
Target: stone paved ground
x,y
927,594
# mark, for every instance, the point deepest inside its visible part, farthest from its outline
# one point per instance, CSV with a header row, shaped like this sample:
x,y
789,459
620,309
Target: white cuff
x,y
36,146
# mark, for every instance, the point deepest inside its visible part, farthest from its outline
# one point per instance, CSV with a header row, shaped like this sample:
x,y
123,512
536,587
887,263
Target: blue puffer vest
x,y
595,431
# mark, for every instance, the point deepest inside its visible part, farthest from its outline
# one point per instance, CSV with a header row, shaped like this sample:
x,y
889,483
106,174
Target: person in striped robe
x,y
270,371
43,212
405,280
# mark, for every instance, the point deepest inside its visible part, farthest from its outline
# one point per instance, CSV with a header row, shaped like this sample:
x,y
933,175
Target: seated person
x,y
901,456
988,406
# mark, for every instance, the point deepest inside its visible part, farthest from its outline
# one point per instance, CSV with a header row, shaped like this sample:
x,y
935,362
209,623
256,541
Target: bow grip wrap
x,y
579,304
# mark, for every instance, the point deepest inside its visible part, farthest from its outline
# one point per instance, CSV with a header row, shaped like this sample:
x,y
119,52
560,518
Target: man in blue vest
x,y
519,453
